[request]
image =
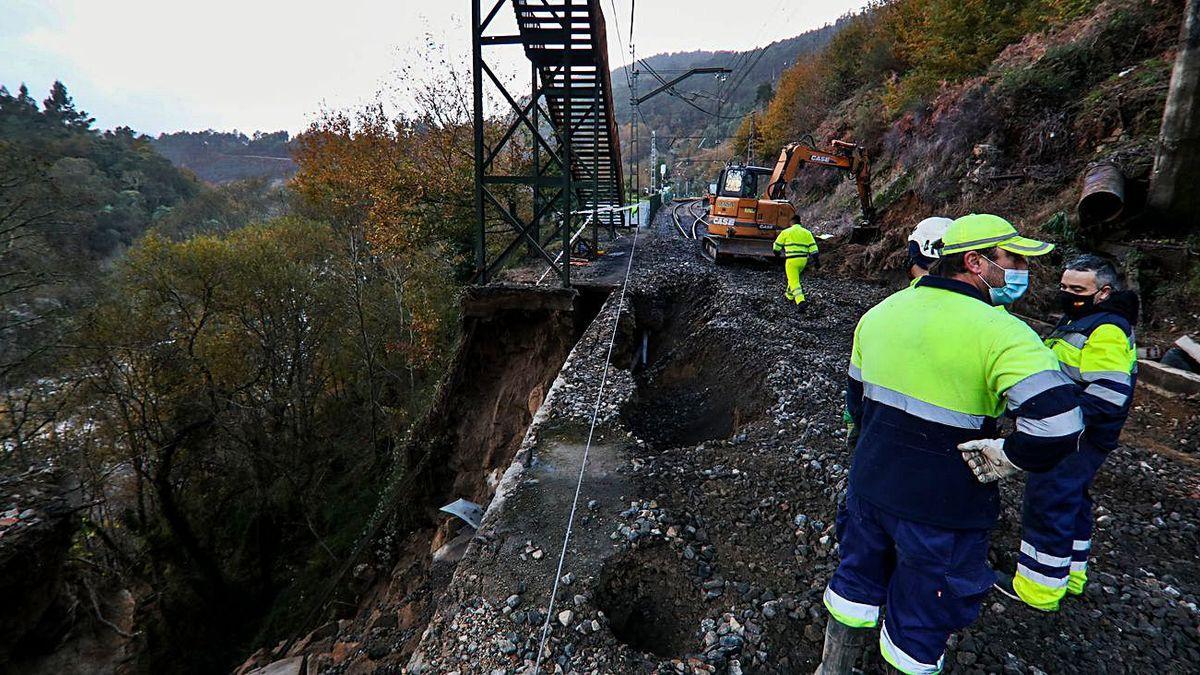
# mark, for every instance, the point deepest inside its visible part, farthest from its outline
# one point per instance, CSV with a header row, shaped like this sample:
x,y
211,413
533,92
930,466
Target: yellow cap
x,y
983,230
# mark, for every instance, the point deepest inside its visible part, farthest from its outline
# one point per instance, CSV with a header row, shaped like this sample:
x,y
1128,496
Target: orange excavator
x,y
748,206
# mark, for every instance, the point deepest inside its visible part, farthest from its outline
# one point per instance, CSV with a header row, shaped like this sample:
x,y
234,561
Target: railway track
x,y
688,210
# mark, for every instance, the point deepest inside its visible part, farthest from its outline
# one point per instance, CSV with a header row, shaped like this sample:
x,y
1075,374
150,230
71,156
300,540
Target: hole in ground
x,y
693,382
650,604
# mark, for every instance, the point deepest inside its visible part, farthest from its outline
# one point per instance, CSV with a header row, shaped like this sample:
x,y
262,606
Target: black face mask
x,y
1075,306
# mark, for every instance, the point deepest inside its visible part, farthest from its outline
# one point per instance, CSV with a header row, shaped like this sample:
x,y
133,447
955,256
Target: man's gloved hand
x,y
851,430
776,252
987,459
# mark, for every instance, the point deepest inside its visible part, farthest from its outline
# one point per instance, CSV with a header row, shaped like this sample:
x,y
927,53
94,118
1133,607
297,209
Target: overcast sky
x,y
164,65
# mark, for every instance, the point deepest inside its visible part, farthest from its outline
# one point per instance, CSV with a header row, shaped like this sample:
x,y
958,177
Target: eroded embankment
x,y
513,343
705,534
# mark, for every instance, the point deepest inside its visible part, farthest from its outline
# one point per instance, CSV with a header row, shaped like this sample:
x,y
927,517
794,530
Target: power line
x,y
763,49
681,96
624,60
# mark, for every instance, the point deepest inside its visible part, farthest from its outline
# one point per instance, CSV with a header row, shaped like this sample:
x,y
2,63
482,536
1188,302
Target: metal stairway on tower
x,y
565,41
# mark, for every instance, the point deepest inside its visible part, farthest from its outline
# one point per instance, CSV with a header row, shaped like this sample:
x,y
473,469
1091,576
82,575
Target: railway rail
x,y
685,209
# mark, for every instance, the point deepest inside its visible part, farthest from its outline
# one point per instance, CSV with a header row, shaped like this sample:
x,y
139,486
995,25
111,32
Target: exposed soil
x,y
649,601
513,343
1165,425
688,388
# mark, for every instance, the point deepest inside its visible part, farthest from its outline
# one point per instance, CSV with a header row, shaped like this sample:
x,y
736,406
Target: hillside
x,y
223,157
104,187
1007,126
217,373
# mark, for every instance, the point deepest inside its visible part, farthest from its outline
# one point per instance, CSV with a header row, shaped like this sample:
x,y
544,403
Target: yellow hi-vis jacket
x,y
795,242
933,366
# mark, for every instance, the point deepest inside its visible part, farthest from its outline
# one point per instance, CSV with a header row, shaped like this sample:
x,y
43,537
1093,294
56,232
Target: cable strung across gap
x,y
537,666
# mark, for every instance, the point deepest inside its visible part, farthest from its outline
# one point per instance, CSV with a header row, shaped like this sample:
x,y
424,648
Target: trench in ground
x,y
694,380
649,601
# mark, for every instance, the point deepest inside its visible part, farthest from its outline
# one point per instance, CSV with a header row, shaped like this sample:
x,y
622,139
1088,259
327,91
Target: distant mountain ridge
x,y
223,157
707,109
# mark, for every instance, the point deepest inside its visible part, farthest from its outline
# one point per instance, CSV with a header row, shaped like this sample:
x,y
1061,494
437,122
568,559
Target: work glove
x,y
851,430
775,252
987,459
815,261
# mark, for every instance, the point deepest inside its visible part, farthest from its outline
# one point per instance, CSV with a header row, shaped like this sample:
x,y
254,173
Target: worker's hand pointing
x,y
987,459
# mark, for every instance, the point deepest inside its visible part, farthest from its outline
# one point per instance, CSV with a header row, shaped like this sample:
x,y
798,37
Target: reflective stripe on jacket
x,y
1099,354
795,242
936,365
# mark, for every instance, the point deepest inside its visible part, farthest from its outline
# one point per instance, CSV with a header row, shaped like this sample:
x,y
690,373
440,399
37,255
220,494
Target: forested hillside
x,y
964,106
222,371
95,191
222,157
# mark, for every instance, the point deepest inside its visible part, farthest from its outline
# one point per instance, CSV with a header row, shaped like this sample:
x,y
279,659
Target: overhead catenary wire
x,y
675,92
742,58
624,60
562,556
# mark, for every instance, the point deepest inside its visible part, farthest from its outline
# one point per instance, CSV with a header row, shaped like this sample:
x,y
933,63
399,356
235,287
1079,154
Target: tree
x,y
404,188
244,379
763,94
32,210
60,107
24,98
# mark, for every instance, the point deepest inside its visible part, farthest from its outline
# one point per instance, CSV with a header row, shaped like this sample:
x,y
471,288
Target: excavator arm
x,y
848,157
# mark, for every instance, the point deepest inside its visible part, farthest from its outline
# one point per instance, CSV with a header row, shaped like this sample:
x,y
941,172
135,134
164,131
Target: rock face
x,y
702,533
35,535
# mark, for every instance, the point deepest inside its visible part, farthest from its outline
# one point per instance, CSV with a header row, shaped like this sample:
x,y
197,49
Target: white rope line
x,y
583,464
605,209
570,244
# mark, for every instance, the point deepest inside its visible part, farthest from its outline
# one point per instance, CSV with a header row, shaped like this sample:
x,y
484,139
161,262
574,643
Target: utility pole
x,y
633,108
653,161
1173,193
750,139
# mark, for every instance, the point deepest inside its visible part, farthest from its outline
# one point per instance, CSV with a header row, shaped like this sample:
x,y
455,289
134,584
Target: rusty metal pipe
x,y
1103,196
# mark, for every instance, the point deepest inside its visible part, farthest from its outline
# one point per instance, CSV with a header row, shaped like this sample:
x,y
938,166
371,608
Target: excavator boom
x,y
742,223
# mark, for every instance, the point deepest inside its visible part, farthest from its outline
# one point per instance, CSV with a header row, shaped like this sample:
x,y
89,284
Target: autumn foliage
x,y
897,54
402,186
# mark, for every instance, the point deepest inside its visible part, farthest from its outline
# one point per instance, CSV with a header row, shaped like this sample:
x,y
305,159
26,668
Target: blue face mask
x,y
1016,282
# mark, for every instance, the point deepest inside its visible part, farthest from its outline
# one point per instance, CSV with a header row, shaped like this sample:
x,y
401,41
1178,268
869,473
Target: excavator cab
x,y
741,222
741,181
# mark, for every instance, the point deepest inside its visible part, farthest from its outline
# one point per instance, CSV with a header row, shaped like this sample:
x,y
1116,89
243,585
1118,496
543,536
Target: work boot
x,y
1005,584
844,647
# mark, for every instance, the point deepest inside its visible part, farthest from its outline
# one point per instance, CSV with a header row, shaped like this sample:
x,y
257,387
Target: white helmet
x,y
929,232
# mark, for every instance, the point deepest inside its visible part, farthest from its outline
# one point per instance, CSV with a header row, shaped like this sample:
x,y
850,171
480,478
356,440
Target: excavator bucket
x,y
864,233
